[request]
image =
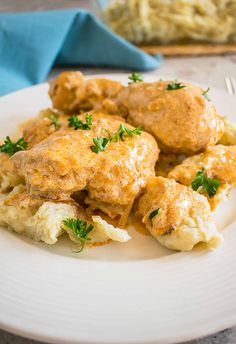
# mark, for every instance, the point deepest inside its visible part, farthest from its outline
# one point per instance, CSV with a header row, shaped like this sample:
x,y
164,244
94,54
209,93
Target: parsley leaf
x,y
75,122
55,121
123,130
11,148
135,77
154,213
204,184
205,94
80,228
100,144
173,86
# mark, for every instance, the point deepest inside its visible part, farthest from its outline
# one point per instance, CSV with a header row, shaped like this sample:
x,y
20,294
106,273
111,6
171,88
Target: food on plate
x,y
8,179
169,21
229,136
212,172
46,221
39,128
166,163
107,152
70,92
178,217
69,160
194,126
178,115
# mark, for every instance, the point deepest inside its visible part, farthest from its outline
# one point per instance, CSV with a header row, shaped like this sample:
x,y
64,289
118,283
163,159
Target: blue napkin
x,y
31,43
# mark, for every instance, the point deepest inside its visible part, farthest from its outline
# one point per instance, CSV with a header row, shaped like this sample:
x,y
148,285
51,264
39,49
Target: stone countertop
x,y
209,71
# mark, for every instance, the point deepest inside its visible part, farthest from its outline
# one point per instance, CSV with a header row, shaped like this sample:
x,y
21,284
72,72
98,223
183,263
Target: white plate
x,y
138,292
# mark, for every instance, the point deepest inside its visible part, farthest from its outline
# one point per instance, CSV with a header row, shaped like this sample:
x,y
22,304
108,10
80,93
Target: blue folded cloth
x,y
31,43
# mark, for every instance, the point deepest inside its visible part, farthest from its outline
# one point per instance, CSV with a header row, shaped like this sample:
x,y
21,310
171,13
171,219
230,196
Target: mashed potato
x,y
42,221
101,233
196,228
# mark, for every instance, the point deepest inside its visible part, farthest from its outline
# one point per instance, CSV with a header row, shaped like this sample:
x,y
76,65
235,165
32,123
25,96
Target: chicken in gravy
x,y
105,150
218,162
64,163
178,217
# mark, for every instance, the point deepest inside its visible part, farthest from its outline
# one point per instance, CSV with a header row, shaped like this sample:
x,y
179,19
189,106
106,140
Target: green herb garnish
x,y
100,144
123,130
55,121
135,77
205,94
154,213
76,123
173,86
204,184
80,228
11,148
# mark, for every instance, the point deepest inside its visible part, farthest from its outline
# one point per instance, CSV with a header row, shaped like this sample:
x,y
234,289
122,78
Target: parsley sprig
x,y
100,143
205,94
204,184
135,77
11,148
76,123
80,228
123,130
173,86
154,213
54,121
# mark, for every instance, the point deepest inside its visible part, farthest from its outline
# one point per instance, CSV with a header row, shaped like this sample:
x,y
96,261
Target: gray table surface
x,y
210,71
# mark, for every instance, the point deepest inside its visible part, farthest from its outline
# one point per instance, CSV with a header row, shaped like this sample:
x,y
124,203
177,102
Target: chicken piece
x,y
218,162
47,122
183,219
183,121
69,92
64,163
43,220
8,179
39,128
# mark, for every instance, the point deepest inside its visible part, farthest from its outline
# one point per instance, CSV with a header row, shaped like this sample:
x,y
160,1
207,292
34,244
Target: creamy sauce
x,y
135,222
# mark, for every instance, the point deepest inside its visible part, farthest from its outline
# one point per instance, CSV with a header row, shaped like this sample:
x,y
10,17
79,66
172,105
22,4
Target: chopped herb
x,y
135,77
175,86
154,213
123,130
11,148
80,228
100,144
205,94
75,122
55,121
204,184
